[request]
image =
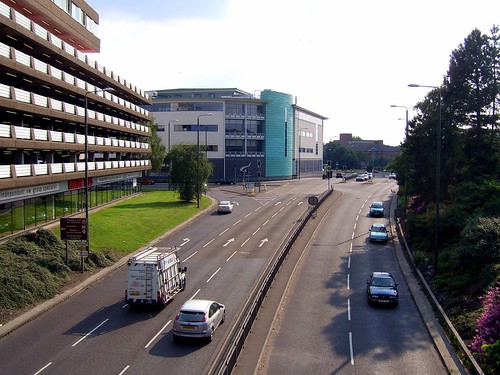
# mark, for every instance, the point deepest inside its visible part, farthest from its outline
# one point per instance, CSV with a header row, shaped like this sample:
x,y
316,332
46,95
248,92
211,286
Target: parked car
x,y
382,288
392,176
225,207
338,175
224,181
377,209
360,178
147,181
378,233
199,318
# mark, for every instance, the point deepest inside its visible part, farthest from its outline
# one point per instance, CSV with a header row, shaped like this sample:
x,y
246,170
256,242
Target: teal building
x,y
251,137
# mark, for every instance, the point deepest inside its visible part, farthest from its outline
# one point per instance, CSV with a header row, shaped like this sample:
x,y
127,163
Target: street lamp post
x,y
300,146
405,107
438,172
170,123
86,182
406,137
198,158
169,143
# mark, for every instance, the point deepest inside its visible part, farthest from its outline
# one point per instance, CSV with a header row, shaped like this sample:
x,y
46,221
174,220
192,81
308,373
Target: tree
x,y
472,89
158,154
337,153
188,168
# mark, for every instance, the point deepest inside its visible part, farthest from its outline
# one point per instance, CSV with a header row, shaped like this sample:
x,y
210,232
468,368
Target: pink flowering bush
x,y
486,342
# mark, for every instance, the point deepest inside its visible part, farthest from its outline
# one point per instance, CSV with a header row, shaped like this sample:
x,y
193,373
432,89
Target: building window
x,y
234,145
233,109
77,13
234,126
63,4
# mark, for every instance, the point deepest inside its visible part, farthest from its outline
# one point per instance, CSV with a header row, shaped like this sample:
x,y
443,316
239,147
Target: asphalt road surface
x,y
95,332
322,323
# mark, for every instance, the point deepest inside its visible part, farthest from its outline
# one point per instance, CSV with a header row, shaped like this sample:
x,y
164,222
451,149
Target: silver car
x,y
199,318
378,233
225,207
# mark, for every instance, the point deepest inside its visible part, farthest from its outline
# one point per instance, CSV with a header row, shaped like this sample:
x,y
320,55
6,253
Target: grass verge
x,y
34,264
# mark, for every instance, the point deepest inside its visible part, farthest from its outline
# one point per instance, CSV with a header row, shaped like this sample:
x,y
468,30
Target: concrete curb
x,y
43,307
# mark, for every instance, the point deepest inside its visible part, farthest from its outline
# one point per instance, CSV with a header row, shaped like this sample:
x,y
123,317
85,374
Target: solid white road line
x,y
43,368
350,346
194,295
155,336
125,369
88,334
227,260
189,257
215,273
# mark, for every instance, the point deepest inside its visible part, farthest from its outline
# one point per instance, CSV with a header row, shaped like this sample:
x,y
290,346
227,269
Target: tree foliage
x,y
189,170
468,187
336,153
158,154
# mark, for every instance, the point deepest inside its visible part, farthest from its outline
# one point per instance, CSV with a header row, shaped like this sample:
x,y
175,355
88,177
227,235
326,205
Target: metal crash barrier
x,y
227,356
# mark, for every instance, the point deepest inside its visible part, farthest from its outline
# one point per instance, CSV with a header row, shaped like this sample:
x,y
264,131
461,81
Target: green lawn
x,y
131,224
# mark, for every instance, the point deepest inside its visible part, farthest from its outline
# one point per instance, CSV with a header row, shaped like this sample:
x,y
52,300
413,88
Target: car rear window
x,y
191,316
382,281
377,205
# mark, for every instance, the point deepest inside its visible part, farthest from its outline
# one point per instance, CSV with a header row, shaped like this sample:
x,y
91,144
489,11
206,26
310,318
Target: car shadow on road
x,y
122,317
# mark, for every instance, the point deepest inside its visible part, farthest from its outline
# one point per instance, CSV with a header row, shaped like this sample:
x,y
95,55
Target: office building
x,y
63,117
244,136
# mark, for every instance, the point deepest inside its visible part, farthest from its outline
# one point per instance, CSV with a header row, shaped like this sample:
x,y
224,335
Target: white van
x,y
154,277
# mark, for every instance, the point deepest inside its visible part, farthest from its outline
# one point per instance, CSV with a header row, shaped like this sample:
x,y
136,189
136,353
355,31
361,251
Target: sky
x,y
345,60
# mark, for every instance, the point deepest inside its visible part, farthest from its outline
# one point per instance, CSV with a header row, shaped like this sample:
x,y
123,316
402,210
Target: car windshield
x,y
224,203
191,316
378,229
377,205
382,282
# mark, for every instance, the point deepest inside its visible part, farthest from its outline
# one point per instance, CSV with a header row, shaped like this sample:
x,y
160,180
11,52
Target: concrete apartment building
x,y
269,135
63,116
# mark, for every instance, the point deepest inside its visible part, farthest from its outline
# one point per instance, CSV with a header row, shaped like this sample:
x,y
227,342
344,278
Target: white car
x,y
199,318
225,207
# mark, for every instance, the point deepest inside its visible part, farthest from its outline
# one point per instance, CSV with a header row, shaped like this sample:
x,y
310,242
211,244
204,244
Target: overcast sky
x,y
346,60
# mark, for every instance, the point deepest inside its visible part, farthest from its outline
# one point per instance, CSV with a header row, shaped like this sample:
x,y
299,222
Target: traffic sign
x,y
82,253
73,228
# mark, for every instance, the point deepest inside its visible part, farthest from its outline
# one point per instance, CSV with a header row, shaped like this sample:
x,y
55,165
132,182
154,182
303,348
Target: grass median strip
x,y
131,224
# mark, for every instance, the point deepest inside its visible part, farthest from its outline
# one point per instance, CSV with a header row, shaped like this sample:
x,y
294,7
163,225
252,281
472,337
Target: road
x,y
323,323
94,332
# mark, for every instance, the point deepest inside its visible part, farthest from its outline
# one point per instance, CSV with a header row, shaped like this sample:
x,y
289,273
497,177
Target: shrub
x,y
421,259
485,343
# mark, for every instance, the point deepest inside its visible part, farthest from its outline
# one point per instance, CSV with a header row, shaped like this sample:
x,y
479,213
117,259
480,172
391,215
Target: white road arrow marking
x,y
262,242
228,242
186,240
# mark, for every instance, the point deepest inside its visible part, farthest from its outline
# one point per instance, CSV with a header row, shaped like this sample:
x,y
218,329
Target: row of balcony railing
x,y
240,135
34,170
241,154
258,116
16,94
25,22
25,133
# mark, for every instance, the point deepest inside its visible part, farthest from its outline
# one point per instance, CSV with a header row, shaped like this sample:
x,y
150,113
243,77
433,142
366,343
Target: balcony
x,y
24,175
